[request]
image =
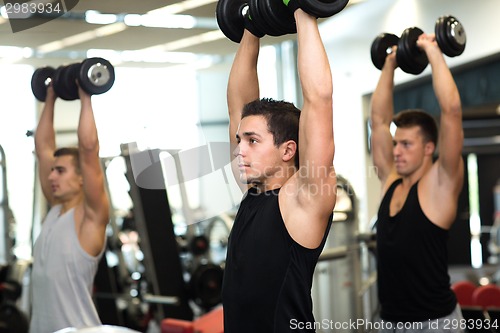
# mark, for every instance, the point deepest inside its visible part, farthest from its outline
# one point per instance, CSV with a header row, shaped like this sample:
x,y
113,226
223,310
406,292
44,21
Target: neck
x,y
262,187
69,204
412,178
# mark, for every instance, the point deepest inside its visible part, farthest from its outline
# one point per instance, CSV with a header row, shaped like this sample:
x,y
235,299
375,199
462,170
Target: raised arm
x,y
96,204
450,143
381,114
243,85
45,143
316,175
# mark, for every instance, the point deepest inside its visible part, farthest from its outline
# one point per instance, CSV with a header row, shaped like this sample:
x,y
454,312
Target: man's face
x,y
65,182
409,150
258,158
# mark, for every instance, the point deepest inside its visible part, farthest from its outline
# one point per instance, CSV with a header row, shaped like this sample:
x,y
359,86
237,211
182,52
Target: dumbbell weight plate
x,y
39,82
255,8
441,38
206,284
96,75
381,47
450,35
229,15
69,75
322,8
409,57
61,86
278,16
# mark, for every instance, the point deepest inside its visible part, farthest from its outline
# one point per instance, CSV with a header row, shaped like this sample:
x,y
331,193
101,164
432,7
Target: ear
x,y
289,148
429,148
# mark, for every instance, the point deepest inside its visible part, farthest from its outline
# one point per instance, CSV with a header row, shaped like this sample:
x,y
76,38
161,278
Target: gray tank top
x,y
62,277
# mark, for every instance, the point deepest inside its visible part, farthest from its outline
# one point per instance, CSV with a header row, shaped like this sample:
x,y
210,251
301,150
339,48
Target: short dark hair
x,y
70,151
420,118
282,120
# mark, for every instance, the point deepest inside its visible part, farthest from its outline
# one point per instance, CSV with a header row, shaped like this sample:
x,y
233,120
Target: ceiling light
x,y
110,29
132,20
10,51
94,17
27,52
190,41
82,37
112,56
3,12
168,21
181,6
158,57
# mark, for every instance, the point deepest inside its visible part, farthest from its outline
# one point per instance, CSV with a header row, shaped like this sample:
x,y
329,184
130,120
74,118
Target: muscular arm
x,y
316,180
243,85
381,114
441,187
45,143
96,204
450,143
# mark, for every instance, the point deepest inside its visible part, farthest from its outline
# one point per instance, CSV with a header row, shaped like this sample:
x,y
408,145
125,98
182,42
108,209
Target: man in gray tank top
x,y
72,239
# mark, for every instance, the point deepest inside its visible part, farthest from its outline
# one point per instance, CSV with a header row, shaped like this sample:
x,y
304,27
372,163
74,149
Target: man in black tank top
x,y
283,221
419,199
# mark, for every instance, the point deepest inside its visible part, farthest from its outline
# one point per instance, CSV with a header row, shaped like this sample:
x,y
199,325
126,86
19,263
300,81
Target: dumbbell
x,y
271,17
450,36
95,76
276,19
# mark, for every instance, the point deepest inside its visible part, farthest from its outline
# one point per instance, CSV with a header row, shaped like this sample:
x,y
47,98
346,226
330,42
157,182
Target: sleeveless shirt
x,y
268,276
413,280
62,277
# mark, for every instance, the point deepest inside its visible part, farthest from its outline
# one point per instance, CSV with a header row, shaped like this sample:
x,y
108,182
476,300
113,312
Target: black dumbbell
x,y
450,36
408,56
95,76
270,17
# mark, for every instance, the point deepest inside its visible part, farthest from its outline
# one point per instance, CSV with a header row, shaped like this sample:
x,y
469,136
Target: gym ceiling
x,y
126,32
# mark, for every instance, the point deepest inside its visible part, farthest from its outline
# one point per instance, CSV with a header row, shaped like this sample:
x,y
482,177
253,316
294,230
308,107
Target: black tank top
x,y
268,276
413,280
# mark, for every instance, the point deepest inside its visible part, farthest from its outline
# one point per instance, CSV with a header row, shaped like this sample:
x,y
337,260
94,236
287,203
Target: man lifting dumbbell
x,y
284,219
419,201
72,239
